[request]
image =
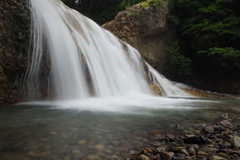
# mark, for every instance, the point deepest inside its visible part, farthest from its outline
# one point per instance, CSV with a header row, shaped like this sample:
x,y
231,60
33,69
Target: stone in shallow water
x,y
167,155
226,123
122,149
93,157
82,142
179,156
236,141
178,127
224,115
171,145
218,158
195,140
220,128
99,147
143,157
115,143
170,136
209,129
191,151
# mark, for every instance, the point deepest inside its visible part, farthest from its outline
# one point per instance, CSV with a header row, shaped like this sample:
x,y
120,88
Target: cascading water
x,y
85,59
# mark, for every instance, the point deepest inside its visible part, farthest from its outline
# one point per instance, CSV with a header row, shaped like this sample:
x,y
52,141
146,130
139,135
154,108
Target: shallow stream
x,y
101,128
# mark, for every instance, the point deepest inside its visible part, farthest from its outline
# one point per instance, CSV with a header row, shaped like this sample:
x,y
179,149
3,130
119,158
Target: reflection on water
x,y
100,129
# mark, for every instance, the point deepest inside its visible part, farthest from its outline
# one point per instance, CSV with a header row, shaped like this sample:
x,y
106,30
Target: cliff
x,y
14,37
146,29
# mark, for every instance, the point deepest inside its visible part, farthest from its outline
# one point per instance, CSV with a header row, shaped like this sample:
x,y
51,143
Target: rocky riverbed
x,y
217,141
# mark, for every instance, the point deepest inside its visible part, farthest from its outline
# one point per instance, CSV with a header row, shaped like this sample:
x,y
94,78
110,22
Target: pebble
x,y
143,157
82,142
122,149
99,147
226,124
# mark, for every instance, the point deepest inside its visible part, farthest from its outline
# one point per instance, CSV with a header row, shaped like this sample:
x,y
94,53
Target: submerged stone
x,y
195,140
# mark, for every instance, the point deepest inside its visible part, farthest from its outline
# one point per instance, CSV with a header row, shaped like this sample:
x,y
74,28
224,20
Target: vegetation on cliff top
x,y
208,33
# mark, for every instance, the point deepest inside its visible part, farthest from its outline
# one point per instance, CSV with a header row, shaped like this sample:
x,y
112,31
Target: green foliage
x,y
179,62
153,3
209,32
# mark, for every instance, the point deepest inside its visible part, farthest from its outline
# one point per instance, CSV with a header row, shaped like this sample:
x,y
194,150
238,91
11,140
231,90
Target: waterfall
x,y
84,59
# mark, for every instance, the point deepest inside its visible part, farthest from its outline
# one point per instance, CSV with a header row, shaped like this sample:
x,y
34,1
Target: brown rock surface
x,y
14,37
146,29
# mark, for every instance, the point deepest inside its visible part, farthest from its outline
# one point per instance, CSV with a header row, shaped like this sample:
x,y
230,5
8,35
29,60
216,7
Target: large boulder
x,y
146,29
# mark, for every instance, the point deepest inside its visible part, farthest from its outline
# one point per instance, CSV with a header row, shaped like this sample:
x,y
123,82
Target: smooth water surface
x,y
98,128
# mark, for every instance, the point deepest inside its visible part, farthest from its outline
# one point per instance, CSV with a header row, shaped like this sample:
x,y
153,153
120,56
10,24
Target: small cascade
x,y
82,60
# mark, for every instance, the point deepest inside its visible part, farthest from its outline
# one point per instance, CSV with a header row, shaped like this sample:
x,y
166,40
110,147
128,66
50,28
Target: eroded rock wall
x,y
146,29
14,37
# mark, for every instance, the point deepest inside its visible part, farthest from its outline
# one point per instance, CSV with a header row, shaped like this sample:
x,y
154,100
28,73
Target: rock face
x,y
14,37
146,29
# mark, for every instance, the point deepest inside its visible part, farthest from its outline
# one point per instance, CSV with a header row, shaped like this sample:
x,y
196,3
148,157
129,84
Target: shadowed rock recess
x,y
146,29
14,37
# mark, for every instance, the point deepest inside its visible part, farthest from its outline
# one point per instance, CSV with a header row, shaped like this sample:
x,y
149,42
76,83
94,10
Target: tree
x,y
208,33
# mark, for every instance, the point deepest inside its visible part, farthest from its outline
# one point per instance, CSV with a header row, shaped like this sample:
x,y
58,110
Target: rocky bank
x,y
219,141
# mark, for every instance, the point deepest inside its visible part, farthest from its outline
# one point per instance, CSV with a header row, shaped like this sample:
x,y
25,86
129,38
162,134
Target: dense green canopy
x,y
208,36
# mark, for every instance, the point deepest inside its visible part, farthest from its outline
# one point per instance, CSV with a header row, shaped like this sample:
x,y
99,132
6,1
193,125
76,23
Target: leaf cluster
x,y
208,33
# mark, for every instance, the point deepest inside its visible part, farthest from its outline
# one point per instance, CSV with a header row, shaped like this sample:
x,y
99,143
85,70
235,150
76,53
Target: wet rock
x,y
224,115
148,150
132,152
171,145
237,127
156,89
201,153
189,158
195,140
157,144
115,158
143,157
158,157
178,127
134,157
209,129
177,149
82,142
220,128
179,156
167,155
171,137
218,158
161,149
93,157
224,155
226,124
191,151
184,151
236,141
122,149
99,147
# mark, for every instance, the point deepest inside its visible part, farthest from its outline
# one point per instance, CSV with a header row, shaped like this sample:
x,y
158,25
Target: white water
x,y
74,41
